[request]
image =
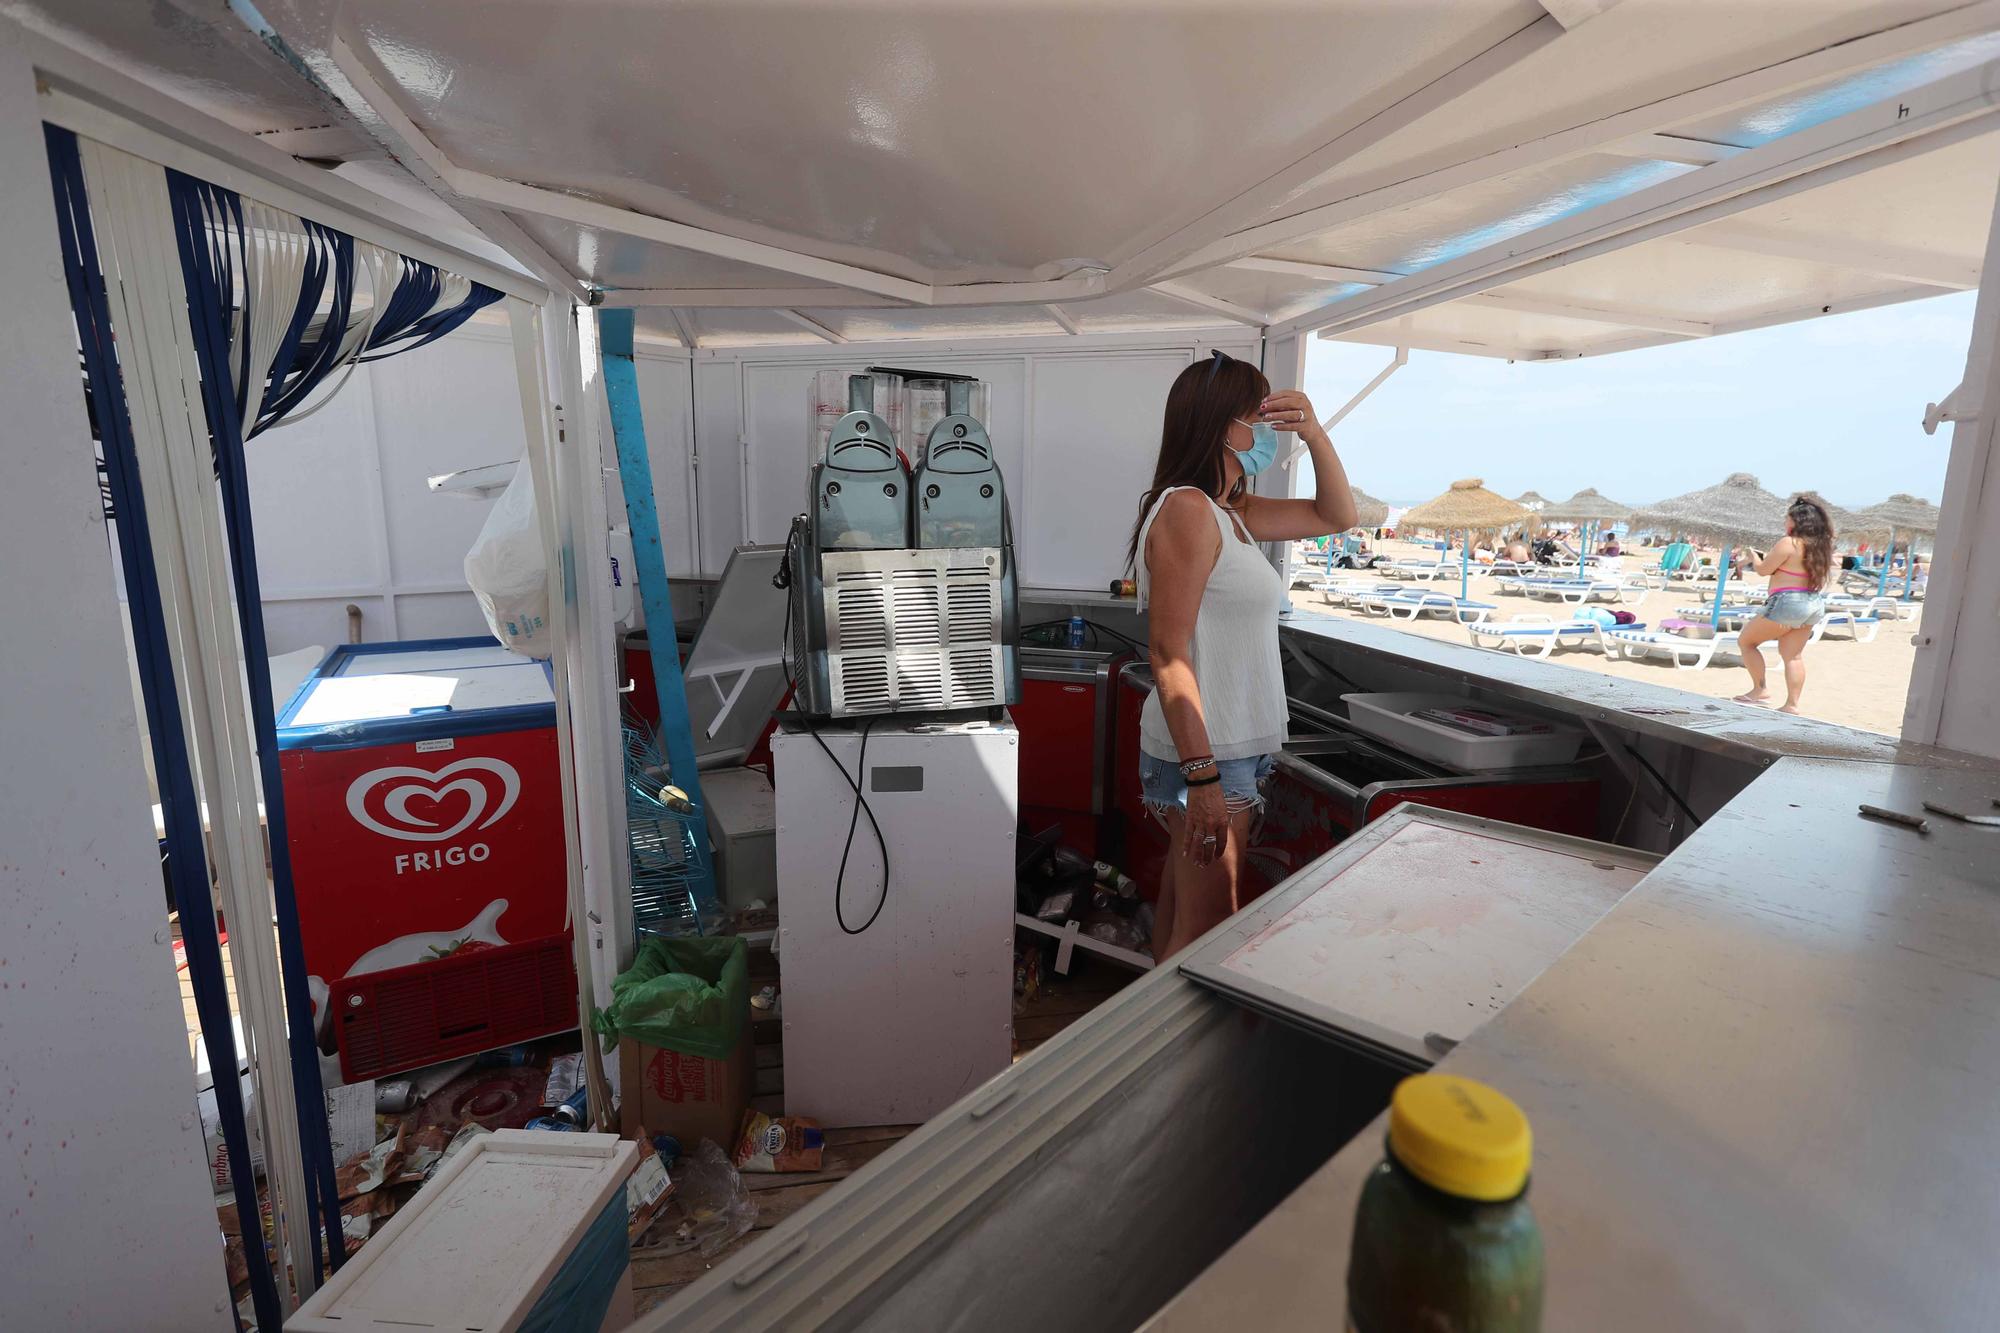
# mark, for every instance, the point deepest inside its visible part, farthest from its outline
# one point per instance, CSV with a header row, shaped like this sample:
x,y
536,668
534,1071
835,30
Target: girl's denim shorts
x,y
1795,610
1161,784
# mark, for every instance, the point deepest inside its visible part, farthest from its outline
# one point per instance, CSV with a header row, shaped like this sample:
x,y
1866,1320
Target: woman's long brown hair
x,y
1206,397
1813,530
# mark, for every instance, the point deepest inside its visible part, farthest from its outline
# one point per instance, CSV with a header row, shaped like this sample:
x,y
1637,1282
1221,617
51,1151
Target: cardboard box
x,y
688,1096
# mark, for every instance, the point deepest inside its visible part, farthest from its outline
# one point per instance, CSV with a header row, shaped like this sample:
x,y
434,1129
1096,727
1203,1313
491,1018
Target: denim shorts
x,y
1161,784
1794,609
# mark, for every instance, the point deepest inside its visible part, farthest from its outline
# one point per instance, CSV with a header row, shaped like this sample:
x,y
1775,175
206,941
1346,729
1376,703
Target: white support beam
x,y
1401,336
408,141
812,326
100,103
1299,268
1948,111
1575,13
1674,148
741,298
1062,317
1424,91
1213,304
1624,319
1396,363
683,327
1557,138
1814,310
1918,267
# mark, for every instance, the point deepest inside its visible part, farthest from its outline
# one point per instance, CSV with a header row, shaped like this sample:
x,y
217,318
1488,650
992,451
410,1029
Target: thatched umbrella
x,y
1738,512
1469,506
1590,509
1369,512
1587,506
1905,514
1534,502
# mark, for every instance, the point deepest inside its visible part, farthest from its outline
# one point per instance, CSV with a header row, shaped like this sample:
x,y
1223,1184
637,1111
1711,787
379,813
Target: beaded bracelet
x,y
1196,764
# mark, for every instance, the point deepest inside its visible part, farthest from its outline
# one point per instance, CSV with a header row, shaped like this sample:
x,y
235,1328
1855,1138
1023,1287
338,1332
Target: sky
x,y
1833,404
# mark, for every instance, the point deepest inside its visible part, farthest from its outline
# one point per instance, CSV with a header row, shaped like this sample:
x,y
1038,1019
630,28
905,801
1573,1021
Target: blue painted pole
x,y
1465,567
1888,554
635,475
1721,583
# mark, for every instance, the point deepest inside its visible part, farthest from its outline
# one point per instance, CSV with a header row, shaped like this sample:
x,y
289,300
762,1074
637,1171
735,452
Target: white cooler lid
x,y
477,1245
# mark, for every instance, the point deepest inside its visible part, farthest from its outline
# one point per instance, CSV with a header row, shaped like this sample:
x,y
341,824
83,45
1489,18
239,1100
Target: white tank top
x,y
1234,650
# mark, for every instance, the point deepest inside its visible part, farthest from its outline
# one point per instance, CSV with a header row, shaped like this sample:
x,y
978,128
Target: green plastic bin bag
x,y
685,995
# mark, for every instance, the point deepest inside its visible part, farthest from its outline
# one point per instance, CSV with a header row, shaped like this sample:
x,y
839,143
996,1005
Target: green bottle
x,y
1444,1241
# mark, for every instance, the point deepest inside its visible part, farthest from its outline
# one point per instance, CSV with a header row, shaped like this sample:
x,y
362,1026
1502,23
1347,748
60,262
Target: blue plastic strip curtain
x,y
302,364
408,315
635,474
209,262
187,865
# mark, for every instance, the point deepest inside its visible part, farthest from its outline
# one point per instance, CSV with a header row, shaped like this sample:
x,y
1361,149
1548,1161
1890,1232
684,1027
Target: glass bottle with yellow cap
x,y
1444,1241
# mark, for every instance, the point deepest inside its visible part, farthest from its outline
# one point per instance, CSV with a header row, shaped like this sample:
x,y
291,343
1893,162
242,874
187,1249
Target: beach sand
x,y
1861,685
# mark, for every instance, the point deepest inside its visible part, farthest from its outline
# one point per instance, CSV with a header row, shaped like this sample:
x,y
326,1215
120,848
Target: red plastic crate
x,y
407,1017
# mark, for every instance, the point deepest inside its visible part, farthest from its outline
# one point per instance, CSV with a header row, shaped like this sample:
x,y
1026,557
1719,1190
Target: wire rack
x,y
670,893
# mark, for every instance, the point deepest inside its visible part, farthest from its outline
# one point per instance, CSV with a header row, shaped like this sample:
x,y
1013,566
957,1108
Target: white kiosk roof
x,y
858,170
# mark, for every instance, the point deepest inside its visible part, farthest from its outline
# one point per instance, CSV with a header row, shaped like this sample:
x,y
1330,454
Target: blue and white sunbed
x,y
1538,636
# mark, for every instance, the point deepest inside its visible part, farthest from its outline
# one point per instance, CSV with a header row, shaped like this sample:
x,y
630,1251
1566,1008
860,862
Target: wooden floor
x,y
1060,1001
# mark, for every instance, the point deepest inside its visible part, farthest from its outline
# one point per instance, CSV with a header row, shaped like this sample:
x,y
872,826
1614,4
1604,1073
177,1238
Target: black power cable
x,y
783,580
1665,786
853,821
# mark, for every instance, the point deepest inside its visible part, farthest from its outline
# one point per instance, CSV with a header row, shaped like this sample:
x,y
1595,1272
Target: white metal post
x,y
1952,698
1285,368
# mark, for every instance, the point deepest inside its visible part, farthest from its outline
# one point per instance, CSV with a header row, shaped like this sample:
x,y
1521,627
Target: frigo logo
x,y
381,799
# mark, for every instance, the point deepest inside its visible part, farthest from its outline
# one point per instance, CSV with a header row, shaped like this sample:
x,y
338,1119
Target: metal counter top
x,y
1763,1087
1675,715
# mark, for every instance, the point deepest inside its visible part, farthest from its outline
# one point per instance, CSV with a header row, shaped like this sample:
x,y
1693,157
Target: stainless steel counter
x,y
1764,1087
1718,726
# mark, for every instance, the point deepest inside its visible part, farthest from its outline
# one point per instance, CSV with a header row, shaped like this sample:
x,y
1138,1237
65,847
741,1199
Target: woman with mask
x,y
1798,566
1217,715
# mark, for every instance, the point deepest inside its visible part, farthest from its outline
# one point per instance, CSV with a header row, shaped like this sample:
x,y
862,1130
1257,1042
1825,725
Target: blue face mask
x,y
1263,450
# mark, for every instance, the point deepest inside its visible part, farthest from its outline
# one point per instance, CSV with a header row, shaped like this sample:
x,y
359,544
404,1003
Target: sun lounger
x,y
1687,654
1349,592
1409,603
1861,626
1538,636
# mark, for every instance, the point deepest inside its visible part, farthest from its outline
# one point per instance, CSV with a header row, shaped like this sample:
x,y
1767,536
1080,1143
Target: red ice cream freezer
x,y
423,801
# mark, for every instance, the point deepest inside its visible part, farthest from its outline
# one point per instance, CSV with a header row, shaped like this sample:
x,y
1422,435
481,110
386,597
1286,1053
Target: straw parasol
x,y
1899,515
1904,513
1534,502
1369,512
1737,512
1587,506
1467,505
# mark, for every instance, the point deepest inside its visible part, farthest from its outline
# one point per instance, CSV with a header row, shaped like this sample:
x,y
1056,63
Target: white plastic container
x,y
1388,717
478,1244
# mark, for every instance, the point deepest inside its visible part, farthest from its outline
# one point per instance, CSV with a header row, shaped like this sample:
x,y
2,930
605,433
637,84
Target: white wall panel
x,y
108,1220
666,403
1097,436
447,406
1075,423
718,427
342,512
